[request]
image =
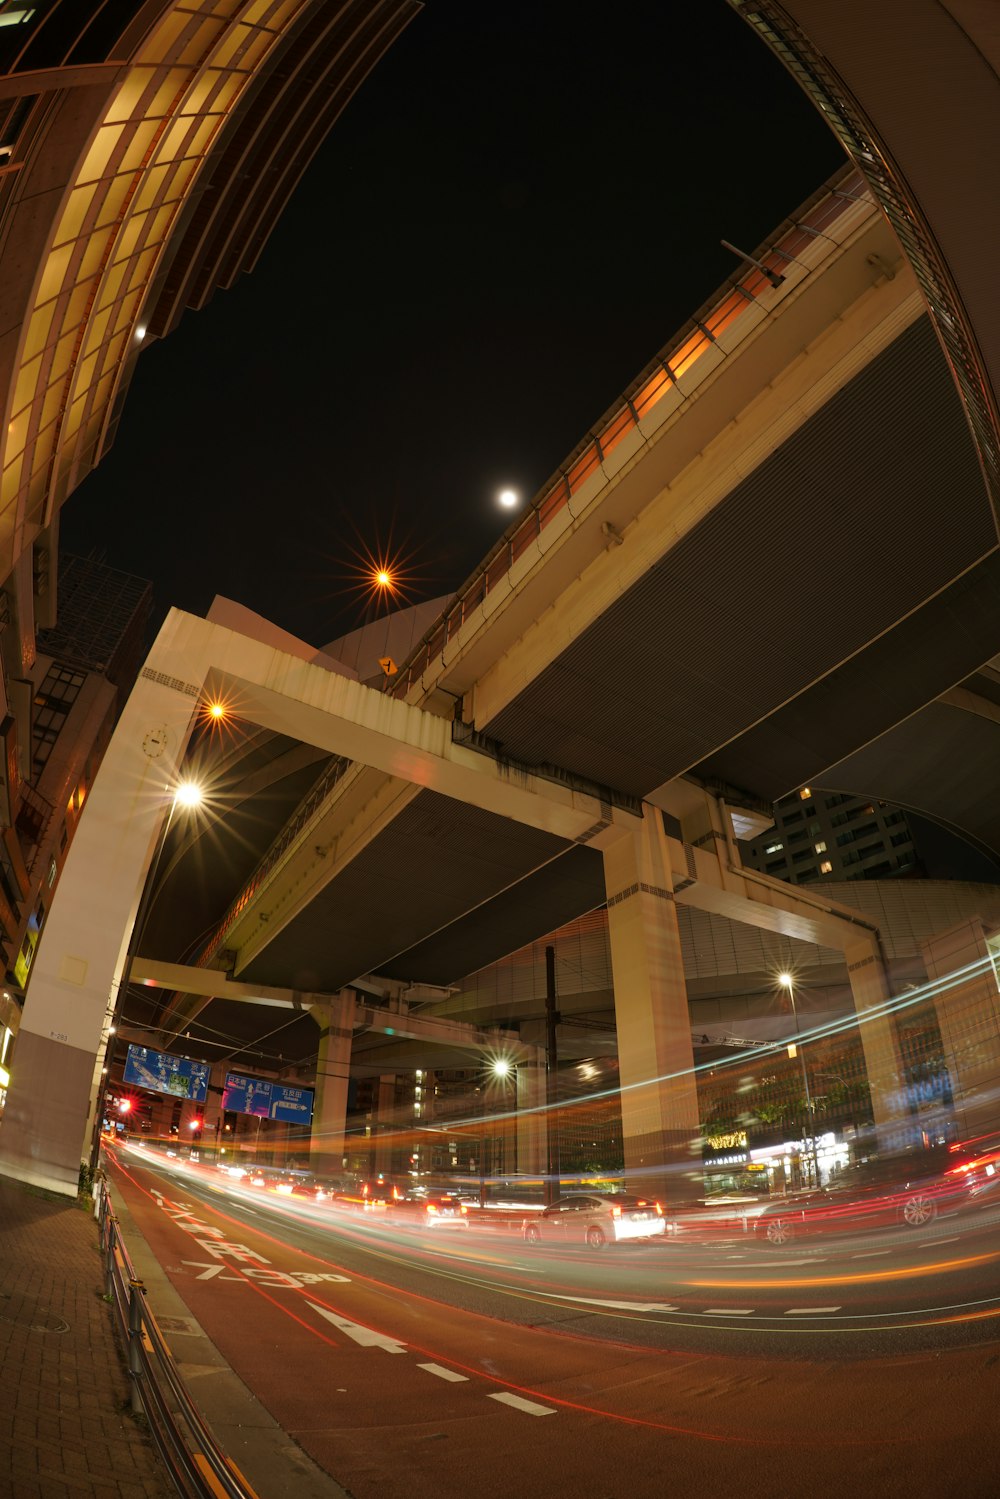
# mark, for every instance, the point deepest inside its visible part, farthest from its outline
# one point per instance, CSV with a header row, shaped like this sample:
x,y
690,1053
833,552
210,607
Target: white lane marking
x,y
810,1311
933,1244
618,1306
870,1254
771,1264
728,1311
366,1336
443,1373
524,1405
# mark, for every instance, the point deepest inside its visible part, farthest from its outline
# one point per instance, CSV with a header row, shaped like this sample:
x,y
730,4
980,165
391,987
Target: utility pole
x,y
552,1018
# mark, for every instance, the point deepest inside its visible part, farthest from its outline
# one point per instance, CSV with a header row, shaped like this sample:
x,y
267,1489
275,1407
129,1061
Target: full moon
x,y
508,498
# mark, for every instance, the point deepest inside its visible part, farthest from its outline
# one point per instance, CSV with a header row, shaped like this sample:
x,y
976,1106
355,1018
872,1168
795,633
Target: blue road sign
x,y
160,1072
267,1100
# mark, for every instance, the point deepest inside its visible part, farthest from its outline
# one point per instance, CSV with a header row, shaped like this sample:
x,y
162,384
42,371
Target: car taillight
x,y
431,1207
616,1212
463,1208
659,1209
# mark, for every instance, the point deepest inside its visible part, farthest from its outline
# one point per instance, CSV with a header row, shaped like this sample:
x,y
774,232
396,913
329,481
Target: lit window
x,y
805,793
826,867
774,848
821,848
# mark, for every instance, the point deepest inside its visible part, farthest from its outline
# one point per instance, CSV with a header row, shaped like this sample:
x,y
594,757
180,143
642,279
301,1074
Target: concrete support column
x,y
333,1069
530,1119
385,1125
968,1015
658,1094
82,951
213,1133
883,1063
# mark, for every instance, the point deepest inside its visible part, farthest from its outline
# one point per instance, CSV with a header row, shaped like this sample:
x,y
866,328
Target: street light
x,y
787,982
500,1069
187,794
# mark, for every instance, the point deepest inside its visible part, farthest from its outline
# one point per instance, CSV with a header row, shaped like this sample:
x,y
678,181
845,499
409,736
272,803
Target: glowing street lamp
x,y
498,1070
787,982
508,499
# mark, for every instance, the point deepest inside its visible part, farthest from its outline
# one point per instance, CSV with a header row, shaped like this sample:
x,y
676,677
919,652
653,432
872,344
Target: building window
x,y
826,867
820,848
53,701
774,848
805,793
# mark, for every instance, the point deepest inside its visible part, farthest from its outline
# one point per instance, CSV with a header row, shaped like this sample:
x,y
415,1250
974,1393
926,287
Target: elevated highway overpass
x,y
777,550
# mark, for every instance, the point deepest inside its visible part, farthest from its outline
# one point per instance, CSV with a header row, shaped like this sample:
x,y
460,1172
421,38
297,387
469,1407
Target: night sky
x,y
520,206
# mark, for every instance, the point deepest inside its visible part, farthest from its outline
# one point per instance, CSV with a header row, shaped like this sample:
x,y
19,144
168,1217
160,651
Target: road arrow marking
x,y
366,1336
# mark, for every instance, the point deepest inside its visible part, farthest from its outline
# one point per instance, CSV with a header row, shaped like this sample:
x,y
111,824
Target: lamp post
x,y
500,1069
187,795
787,982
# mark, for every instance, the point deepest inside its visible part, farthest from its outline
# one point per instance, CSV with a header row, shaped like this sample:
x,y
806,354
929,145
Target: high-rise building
x,y
63,691
828,835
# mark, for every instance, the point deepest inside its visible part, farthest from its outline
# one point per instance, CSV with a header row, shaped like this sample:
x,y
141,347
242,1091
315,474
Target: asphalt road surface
x,y
464,1362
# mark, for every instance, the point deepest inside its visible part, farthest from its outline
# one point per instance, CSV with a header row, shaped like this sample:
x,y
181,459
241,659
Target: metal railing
x,y
196,1464
818,220
763,275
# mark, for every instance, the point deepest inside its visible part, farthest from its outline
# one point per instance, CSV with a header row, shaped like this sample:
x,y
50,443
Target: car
x,y
879,1192
315,1191
429,1210
370,1196
596,1221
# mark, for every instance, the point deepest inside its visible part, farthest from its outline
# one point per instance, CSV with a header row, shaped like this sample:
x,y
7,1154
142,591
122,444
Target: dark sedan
x,y
877,1193
440,1211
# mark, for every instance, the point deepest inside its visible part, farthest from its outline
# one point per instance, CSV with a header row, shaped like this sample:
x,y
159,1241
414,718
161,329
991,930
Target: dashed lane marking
x,y
811,1311
530,1407
728,1311
615,1306
443,1373
870,1254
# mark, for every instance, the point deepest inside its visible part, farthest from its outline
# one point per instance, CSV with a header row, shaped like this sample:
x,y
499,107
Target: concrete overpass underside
x,y
775,571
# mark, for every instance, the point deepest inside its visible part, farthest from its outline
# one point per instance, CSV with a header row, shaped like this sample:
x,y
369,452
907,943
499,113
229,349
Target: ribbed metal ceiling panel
x,y
874,505
928,652
943,762
436,861
541,902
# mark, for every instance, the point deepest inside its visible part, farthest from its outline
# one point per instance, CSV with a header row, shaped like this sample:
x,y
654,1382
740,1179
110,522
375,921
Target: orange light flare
x,y
380,577
216,715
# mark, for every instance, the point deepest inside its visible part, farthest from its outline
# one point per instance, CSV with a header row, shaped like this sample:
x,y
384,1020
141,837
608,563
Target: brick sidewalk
x,y
63,1386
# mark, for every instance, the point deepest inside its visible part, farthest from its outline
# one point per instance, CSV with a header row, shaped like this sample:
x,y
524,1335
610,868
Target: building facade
x,y
821,835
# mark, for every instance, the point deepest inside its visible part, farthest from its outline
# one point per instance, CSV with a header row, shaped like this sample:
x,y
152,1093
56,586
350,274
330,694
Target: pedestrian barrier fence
x,y
197,1465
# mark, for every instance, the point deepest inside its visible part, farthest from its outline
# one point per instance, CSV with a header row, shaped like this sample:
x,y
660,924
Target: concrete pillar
x,y
883,1063
73,984
212,1134
333,1070
385,1123
968,1014
530,1119
659,1097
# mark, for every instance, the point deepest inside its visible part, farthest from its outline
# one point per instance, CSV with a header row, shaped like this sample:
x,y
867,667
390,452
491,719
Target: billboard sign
x,y
160,1072
267,1100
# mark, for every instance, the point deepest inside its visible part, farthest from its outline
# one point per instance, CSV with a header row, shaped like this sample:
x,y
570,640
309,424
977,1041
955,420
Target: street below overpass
x,y
464,1361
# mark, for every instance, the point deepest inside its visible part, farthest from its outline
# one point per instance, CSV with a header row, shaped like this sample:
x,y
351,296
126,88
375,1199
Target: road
x,y
462,1362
